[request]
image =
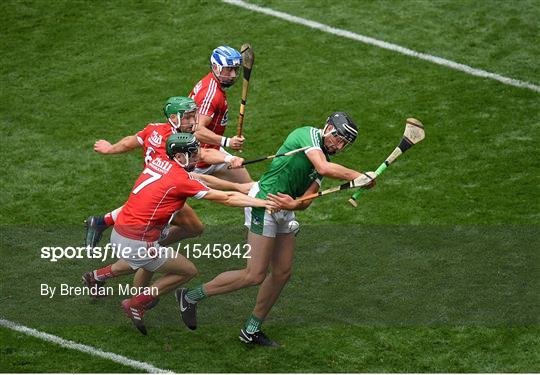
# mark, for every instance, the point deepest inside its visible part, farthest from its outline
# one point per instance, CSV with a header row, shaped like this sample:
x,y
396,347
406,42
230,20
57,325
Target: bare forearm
x,y
301,206
241,200
215,183
124,145
337,171
286,202
212,156
205,135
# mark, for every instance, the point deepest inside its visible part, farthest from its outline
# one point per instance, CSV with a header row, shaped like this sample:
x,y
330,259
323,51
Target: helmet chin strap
x,y
186,156
186,165
178,128
175,127
331,132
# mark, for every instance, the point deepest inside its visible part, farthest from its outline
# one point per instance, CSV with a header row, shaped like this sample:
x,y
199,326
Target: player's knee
x,y
254,278
197,229
185,269
194,227
282,276
191,271
246,178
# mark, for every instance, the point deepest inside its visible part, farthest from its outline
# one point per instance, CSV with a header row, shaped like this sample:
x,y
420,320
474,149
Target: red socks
x,y
109,221
142,300
104,273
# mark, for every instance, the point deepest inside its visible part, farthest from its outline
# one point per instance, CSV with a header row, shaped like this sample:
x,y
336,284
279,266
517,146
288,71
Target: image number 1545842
x,y
217,251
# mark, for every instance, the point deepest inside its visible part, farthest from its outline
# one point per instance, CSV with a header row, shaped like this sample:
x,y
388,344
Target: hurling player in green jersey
x,y
272,235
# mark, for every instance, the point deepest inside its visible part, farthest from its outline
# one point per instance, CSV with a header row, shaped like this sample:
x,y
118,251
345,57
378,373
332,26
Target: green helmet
x,y
178,105
182,143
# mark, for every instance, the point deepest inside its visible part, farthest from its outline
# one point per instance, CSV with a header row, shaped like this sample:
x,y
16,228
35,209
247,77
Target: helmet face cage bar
x,y
346,141
220,69
225,81
190,127
335,134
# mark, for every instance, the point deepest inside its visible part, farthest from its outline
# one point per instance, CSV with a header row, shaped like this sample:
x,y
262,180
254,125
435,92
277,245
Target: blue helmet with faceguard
x,y
225,57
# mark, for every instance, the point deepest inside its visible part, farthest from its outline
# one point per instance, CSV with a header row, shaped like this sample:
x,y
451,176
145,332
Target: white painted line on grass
x,y
82,348
382,44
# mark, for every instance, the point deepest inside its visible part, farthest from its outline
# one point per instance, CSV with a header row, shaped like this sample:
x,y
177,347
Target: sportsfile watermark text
x,y
114,251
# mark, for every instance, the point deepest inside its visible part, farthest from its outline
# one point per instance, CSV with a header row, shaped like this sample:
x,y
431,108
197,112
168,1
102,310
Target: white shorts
x,y
259,221
140,254
214,167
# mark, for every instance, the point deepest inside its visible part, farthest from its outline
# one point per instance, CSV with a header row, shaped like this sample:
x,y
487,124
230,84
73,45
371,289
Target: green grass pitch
x,y
437,270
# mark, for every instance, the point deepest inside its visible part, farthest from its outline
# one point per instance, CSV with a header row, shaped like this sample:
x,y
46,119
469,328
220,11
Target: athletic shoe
x,y
89,281
135,313
188,310
257,338
94,231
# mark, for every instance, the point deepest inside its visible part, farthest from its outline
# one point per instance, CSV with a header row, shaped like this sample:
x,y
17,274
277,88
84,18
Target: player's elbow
x,y
323,169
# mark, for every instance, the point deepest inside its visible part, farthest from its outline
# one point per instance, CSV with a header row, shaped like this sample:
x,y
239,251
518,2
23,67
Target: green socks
x,y
196,294
253,324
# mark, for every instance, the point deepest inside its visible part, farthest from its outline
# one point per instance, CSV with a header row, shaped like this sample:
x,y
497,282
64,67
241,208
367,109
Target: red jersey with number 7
x,y
212,102
160,191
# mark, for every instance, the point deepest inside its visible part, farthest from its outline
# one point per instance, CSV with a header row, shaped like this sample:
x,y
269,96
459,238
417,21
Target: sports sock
x,y
110,217
107,219
253,324
143,300
104,273
196,294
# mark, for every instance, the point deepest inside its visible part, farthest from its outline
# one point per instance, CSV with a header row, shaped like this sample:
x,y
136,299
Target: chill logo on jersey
x,y
155,139
161,165
225,117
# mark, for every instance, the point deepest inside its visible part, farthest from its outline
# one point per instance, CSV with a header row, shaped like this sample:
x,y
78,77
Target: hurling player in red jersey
x,y
159,192
211,98
181,114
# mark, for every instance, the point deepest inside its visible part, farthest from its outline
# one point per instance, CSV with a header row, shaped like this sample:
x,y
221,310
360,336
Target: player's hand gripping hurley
x,y
414,133
364,180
